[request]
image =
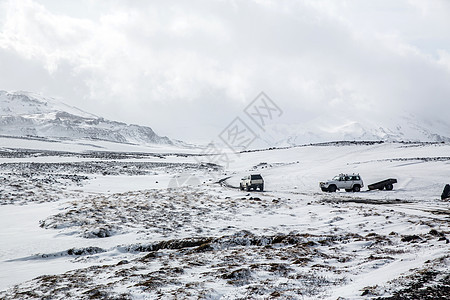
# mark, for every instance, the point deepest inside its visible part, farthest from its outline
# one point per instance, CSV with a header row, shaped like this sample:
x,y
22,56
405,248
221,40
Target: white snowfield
x,y
153,223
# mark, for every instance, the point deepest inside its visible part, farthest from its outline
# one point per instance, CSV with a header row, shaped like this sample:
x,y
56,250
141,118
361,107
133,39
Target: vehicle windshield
x,y
256,177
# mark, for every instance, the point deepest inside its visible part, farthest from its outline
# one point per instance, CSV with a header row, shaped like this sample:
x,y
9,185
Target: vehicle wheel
x,y
356,188
332,188
381,188
389,187
261,187
248,188
241,187
348,190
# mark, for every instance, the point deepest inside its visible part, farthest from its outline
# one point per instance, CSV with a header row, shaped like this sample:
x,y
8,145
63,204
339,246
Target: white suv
x,y
351,183
252,182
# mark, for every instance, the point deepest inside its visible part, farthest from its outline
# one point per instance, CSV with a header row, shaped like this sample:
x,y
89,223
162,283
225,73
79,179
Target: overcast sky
x,y
188,68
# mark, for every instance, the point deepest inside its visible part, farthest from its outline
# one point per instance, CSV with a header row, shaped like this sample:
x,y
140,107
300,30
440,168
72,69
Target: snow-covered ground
x,y
135,222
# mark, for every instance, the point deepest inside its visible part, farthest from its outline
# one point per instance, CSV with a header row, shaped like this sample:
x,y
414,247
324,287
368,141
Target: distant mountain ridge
x,y
407,128
29,114
25,114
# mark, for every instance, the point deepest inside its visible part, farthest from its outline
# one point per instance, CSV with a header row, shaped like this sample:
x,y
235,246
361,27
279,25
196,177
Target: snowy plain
x,y
93,219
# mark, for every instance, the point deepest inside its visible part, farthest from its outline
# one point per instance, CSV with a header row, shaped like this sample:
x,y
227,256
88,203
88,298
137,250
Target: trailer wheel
x,y
389,187
381,188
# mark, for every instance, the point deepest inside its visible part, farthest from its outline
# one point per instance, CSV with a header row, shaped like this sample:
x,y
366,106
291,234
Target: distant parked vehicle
x,y
252,182
387,184
351,183
446,192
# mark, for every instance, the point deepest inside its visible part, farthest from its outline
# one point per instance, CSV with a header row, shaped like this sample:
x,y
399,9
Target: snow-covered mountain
x,y
324,129
29,114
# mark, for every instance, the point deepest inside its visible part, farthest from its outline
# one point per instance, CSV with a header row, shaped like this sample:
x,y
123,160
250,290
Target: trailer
x,y
387,184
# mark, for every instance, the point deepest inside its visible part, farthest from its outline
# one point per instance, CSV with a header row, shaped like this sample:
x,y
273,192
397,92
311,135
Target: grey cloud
x,y
199,63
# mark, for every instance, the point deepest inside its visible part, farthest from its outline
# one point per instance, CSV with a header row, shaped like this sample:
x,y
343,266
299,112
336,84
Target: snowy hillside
x,y
28,114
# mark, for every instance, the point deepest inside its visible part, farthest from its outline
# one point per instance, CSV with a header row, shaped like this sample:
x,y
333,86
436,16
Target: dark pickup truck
x,y
387,184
